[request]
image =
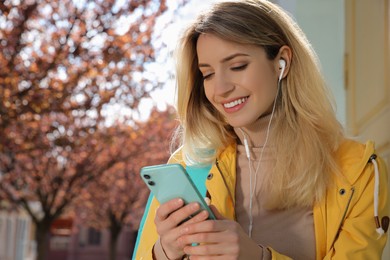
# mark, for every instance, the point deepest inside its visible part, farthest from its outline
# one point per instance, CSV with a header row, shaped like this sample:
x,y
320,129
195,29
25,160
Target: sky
x,y
164,65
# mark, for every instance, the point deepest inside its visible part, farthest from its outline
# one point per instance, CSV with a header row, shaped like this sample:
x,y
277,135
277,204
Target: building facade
x,y
16,236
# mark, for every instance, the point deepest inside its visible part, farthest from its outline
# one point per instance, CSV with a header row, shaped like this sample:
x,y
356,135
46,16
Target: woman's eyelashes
x,y
207,76
240,67
234,68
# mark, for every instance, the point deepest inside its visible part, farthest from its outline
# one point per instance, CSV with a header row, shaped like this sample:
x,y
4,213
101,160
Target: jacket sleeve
x,y
147,234
357,237
277,256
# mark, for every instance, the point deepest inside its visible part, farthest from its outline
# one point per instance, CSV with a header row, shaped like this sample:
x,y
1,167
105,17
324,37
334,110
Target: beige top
x,y
290,232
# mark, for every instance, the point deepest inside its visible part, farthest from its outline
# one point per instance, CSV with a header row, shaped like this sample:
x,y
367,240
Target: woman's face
x,y
239,80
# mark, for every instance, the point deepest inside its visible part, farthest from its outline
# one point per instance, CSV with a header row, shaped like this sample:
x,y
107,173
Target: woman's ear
x,y
284,61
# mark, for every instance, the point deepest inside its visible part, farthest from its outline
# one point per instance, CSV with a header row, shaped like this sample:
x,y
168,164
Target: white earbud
x,y
248,154
282,66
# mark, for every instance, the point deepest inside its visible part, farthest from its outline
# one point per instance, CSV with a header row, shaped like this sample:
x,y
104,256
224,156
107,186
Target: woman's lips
x,y
235,105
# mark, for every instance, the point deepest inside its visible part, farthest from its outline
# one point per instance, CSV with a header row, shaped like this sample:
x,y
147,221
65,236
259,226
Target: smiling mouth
x,y
235,102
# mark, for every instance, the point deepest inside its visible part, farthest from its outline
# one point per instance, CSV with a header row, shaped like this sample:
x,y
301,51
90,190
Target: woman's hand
x,y
169,224
218,239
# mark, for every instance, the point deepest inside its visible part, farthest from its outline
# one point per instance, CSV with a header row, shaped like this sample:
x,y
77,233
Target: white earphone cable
x,y
252,187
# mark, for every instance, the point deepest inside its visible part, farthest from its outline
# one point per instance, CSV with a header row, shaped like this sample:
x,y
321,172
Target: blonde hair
x,y
305,132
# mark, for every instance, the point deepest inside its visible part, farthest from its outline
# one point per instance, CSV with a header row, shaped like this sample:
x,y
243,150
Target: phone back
x,y
169,181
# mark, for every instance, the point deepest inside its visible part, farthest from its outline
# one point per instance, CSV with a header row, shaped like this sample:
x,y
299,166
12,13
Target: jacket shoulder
x,y
352,157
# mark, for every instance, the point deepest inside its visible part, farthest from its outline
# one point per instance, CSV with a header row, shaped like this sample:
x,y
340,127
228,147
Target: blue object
x,y
198,176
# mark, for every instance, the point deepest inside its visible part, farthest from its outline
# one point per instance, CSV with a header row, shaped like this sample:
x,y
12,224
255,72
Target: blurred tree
x,y
63,63
118,198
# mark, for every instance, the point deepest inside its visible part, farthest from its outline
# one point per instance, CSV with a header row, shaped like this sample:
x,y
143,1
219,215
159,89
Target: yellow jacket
x,y
343,221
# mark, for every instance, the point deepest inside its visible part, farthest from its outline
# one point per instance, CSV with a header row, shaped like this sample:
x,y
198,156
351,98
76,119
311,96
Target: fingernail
x,y
195,206
179,202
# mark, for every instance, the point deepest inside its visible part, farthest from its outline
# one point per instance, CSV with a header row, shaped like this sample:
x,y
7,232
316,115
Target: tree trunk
x,y
42,238
115,230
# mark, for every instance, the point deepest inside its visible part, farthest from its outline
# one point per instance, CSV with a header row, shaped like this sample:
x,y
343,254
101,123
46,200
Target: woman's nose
x,y
222,85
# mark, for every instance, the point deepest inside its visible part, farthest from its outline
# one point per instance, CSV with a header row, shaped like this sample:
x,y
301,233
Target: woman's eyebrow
x,y
226,59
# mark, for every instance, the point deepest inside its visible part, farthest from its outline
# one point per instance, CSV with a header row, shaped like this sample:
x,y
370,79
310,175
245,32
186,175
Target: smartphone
x,y
169,181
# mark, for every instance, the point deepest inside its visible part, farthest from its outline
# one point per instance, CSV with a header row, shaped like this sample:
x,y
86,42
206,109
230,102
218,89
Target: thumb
x,y
218,215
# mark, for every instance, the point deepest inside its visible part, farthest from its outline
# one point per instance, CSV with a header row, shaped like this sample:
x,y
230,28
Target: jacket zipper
x,y
344,215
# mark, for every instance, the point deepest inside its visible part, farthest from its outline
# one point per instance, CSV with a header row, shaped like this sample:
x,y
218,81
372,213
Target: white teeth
x,y
235,102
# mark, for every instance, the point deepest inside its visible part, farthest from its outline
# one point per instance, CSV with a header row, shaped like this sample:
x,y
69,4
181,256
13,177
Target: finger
x,y
184,214
170,241
202,215
210,238
210,226
165,209
200,257
216,212
211,250
176,218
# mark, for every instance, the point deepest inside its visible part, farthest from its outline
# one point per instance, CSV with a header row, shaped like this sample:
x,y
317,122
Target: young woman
x,y
284,182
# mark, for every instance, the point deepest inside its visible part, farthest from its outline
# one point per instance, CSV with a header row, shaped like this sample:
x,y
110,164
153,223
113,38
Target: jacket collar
x,y
353,159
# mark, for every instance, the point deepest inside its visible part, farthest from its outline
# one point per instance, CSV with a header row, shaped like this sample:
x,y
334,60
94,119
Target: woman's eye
x,y
238,68
207,76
